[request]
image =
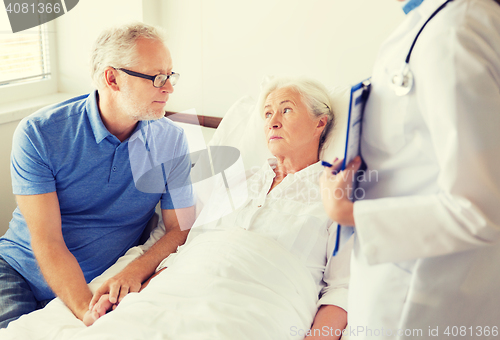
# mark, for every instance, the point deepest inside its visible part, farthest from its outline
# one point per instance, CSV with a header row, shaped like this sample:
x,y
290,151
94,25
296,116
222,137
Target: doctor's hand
x,y
127,281
336,188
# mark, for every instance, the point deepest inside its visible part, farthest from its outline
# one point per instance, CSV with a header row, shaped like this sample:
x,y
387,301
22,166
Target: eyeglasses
x,y
158,81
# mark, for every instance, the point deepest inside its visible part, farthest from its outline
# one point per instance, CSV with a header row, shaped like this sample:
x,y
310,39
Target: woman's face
x,y
289,127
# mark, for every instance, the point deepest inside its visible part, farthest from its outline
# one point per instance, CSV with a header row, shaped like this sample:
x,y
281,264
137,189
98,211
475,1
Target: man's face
x,y
138,98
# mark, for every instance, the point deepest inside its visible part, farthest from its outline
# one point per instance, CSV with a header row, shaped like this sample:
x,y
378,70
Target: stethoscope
x,y
402,80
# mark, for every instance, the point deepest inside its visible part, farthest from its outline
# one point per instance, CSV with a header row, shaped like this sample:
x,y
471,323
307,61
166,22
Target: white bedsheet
x,y
223,285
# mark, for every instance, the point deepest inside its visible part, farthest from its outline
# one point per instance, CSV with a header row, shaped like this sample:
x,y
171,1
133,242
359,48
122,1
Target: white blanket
x,y
222,285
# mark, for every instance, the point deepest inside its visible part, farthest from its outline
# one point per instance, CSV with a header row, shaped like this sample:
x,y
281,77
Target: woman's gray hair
x,y
116,47
315,97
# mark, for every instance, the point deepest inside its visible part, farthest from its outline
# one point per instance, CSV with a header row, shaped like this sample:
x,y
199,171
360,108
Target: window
x,y
24,56
27,61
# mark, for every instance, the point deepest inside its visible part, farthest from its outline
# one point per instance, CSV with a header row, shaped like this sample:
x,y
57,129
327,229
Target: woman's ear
x,y
322,124
110,79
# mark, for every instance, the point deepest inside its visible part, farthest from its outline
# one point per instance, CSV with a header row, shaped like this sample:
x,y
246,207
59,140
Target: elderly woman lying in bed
x,y
255,272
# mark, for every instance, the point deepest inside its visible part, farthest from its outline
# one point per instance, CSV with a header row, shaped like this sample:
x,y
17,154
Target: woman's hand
x,y
328,324
336,190
98,310
145,284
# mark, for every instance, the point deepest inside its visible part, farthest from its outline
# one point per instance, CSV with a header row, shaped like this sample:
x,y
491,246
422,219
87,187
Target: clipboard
x,y
358,98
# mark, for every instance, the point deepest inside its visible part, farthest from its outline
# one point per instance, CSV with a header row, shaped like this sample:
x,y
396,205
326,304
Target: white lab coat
x,y
427,242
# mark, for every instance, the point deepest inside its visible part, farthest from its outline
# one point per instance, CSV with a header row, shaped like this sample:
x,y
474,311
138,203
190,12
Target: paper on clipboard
x,y
359,96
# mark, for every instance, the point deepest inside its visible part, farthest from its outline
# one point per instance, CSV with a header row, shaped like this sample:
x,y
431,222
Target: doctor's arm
x,y
58,266
459,96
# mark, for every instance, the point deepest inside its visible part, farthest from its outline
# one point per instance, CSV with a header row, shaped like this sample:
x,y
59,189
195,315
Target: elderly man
x,y
76,169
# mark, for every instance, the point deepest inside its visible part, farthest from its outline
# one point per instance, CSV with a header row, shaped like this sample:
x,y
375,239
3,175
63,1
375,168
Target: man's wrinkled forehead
x,y
154,56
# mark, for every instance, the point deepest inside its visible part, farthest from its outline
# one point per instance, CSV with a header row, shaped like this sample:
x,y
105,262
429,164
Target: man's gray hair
x,y
314,95
116,47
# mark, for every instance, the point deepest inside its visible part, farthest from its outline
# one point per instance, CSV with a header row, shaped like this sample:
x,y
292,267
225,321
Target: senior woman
x,y
298,119
269,261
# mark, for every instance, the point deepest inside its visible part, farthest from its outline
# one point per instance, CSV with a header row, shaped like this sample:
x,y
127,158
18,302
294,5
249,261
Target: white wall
x,y
75,33
7,201
224,48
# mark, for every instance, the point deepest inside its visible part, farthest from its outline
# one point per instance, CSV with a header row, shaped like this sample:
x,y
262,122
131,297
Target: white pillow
x,y
243,127
335,145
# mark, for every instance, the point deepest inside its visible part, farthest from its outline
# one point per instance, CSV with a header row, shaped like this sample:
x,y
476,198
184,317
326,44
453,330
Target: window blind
x,y
24,56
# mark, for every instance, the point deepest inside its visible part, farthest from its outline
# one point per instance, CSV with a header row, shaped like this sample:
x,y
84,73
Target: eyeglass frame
x,y
173,76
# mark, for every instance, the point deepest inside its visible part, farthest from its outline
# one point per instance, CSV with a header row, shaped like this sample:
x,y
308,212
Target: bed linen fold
x,y
222,285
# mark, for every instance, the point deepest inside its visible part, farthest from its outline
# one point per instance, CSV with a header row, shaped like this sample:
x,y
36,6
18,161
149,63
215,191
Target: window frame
x,y
35,88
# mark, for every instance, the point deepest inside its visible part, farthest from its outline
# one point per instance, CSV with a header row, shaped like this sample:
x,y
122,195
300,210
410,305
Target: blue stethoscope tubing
x,y
402,81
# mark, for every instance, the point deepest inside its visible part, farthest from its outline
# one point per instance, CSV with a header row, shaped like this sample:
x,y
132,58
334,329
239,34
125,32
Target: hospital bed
x,y
241,128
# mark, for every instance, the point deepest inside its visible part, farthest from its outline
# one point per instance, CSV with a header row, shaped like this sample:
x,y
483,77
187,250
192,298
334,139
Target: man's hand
x,y
105,303
127,281
131,278
336,189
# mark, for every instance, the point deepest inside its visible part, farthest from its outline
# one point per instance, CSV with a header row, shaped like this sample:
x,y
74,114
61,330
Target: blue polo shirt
x,y
67,149
410,5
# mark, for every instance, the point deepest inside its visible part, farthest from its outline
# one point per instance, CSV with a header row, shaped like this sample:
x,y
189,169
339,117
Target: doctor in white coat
x,y
426,261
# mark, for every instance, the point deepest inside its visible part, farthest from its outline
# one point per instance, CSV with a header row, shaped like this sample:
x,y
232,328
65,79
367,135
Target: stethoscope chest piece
x,y
402,81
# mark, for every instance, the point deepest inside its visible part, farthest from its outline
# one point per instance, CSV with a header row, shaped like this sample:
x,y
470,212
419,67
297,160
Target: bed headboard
x,y
206,121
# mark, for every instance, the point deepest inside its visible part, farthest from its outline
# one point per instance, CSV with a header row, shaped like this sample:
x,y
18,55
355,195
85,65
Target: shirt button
x,y
114,168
